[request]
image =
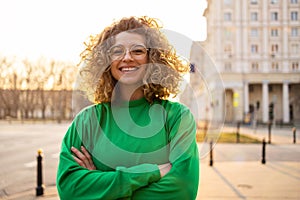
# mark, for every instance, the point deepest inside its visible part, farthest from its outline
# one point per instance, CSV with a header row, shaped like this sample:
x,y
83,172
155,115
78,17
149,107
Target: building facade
x,y
255,45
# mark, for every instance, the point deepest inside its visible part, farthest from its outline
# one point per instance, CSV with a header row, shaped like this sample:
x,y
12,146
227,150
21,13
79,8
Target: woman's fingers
x,y
79,161
164,169
78,157
83,158
90,164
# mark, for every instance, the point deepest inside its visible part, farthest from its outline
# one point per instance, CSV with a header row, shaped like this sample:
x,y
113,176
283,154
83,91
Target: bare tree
x,y
63,78
10,85
33,89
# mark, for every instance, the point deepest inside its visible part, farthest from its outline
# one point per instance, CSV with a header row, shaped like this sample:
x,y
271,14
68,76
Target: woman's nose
x,y
127,56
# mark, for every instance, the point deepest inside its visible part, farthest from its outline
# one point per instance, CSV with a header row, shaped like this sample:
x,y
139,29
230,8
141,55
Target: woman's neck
x,y
129,92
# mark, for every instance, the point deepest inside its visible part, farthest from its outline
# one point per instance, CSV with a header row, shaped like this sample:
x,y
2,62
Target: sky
x,y
56,29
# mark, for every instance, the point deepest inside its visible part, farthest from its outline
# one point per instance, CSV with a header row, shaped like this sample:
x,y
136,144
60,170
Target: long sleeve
x,y
75,182
182,180
127,164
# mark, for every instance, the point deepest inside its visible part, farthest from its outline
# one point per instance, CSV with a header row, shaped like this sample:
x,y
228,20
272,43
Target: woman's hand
x,y
83,158
164,169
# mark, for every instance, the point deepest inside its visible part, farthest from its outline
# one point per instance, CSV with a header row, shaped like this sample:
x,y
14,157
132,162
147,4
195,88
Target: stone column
x,y
246,97
238,103
285,102
265,102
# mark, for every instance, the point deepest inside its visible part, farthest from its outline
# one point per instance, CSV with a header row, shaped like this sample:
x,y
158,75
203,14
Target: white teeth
x,y
128,69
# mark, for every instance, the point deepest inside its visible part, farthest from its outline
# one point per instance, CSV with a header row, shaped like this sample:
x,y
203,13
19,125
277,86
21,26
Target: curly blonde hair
x,y
163,72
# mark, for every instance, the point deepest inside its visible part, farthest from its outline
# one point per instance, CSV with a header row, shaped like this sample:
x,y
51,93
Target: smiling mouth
x,y
128,69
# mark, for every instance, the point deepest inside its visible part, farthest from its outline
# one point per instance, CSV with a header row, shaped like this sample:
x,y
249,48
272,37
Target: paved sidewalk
x,y
250,180
237,172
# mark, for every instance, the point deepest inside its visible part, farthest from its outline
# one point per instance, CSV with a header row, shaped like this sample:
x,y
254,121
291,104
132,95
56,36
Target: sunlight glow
x,y
50,83
57,28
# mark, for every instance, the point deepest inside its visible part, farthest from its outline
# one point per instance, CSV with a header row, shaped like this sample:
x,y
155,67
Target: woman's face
x,y
129,56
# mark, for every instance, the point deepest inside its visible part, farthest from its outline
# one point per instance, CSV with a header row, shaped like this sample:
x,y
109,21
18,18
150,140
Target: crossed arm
x,y
84,159
176,182
79,183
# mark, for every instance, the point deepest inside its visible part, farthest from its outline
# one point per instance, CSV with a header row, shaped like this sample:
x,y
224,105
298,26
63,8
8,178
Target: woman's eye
x,y
137,51
117,52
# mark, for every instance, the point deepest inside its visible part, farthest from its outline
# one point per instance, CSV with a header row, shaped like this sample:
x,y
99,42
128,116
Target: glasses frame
x,y
125,50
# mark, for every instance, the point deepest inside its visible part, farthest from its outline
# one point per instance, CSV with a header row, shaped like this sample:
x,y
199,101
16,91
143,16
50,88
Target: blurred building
x,y
255,45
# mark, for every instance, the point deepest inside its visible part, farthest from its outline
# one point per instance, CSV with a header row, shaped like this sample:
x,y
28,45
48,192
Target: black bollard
x,y
263,160
40,186
211,162
238,132
294,135
269,132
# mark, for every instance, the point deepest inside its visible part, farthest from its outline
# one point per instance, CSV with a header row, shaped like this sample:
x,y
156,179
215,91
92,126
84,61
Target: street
x,y
18,151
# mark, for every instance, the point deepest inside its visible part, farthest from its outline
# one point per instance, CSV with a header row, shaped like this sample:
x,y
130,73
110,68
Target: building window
x,y
254,32
275,66
274,1
227,16
295,49
254,16
227,66
251,88
253,1
274,49
270,88
254,48
254,67
228,49
274,16
294,1
294,15
295,66
274,32
227,2
228,33
294,32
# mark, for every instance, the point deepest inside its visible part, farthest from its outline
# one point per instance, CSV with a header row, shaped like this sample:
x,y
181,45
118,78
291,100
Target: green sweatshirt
x,y
127,142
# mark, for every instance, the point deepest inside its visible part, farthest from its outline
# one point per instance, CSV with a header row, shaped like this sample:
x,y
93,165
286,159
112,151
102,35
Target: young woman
x,y
132,143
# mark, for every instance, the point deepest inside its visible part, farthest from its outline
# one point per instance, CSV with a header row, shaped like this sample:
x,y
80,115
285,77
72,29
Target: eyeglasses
x,y
137,52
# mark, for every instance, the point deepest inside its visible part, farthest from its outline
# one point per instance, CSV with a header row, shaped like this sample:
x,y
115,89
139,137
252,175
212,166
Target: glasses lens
x,y
117,52
138,51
